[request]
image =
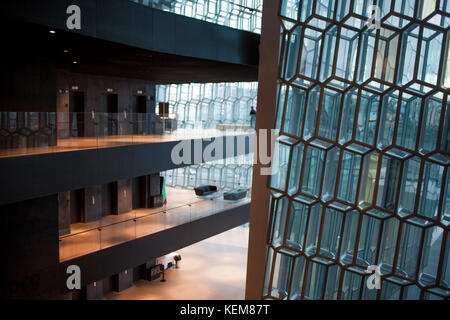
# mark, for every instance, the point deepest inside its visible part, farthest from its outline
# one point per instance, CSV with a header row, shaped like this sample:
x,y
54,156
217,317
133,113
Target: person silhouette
x,y
252,117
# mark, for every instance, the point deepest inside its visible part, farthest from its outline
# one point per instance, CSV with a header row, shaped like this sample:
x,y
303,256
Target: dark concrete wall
x,y
29,251
64,213
95,91
28,86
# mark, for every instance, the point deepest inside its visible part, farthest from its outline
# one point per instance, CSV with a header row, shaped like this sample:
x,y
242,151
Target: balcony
x,y
182,208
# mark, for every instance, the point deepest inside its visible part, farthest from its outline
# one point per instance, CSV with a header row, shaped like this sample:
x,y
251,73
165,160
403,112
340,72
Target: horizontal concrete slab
x,y
33,176
107,262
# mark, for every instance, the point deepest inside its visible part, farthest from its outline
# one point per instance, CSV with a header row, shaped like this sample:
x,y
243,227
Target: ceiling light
x,y
65,50
52,31
75,62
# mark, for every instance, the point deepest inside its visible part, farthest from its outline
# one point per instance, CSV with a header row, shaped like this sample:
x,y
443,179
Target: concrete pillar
x,y
265,119
92,210
123,201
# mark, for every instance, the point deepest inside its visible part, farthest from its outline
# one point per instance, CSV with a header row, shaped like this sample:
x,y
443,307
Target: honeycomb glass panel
x,y
329,47
297,278
269,269
372,119
408,121
312,174
331,233
330,174
445,130
332,284
445,261
348,116
351,283
311,113
290,9
329,117
368,180
430,256
317,11
349,237
312,237
309,60
445,219
367,117
367,54
430,191
430,56
281,207
292,47
295,109
408,188
351,11
430,123
388,245
409,251
391,288
315,281
388,118
282,273
346,57
368,241
409,49
298,221
321,280
388,183
282,94
296,163
348,181
280,178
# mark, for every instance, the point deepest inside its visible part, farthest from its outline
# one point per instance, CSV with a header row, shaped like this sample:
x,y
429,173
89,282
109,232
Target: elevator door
x,y
112,108
76,109
141,104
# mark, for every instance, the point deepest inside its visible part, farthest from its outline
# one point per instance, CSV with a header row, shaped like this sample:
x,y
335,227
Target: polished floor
x,y
182,207
213,269
77,144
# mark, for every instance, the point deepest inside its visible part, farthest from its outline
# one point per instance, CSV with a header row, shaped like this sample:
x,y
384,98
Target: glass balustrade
x,y
25,133
113,230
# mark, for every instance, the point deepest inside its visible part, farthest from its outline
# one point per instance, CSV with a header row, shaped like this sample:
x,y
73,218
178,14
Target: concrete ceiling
x,y
100,57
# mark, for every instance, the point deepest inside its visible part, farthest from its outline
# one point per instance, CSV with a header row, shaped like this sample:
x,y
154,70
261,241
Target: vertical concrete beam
x,y
265,119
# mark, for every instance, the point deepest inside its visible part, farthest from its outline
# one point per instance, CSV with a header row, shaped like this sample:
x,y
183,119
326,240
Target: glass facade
x,y
226,174
239,14
207,105
363,114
